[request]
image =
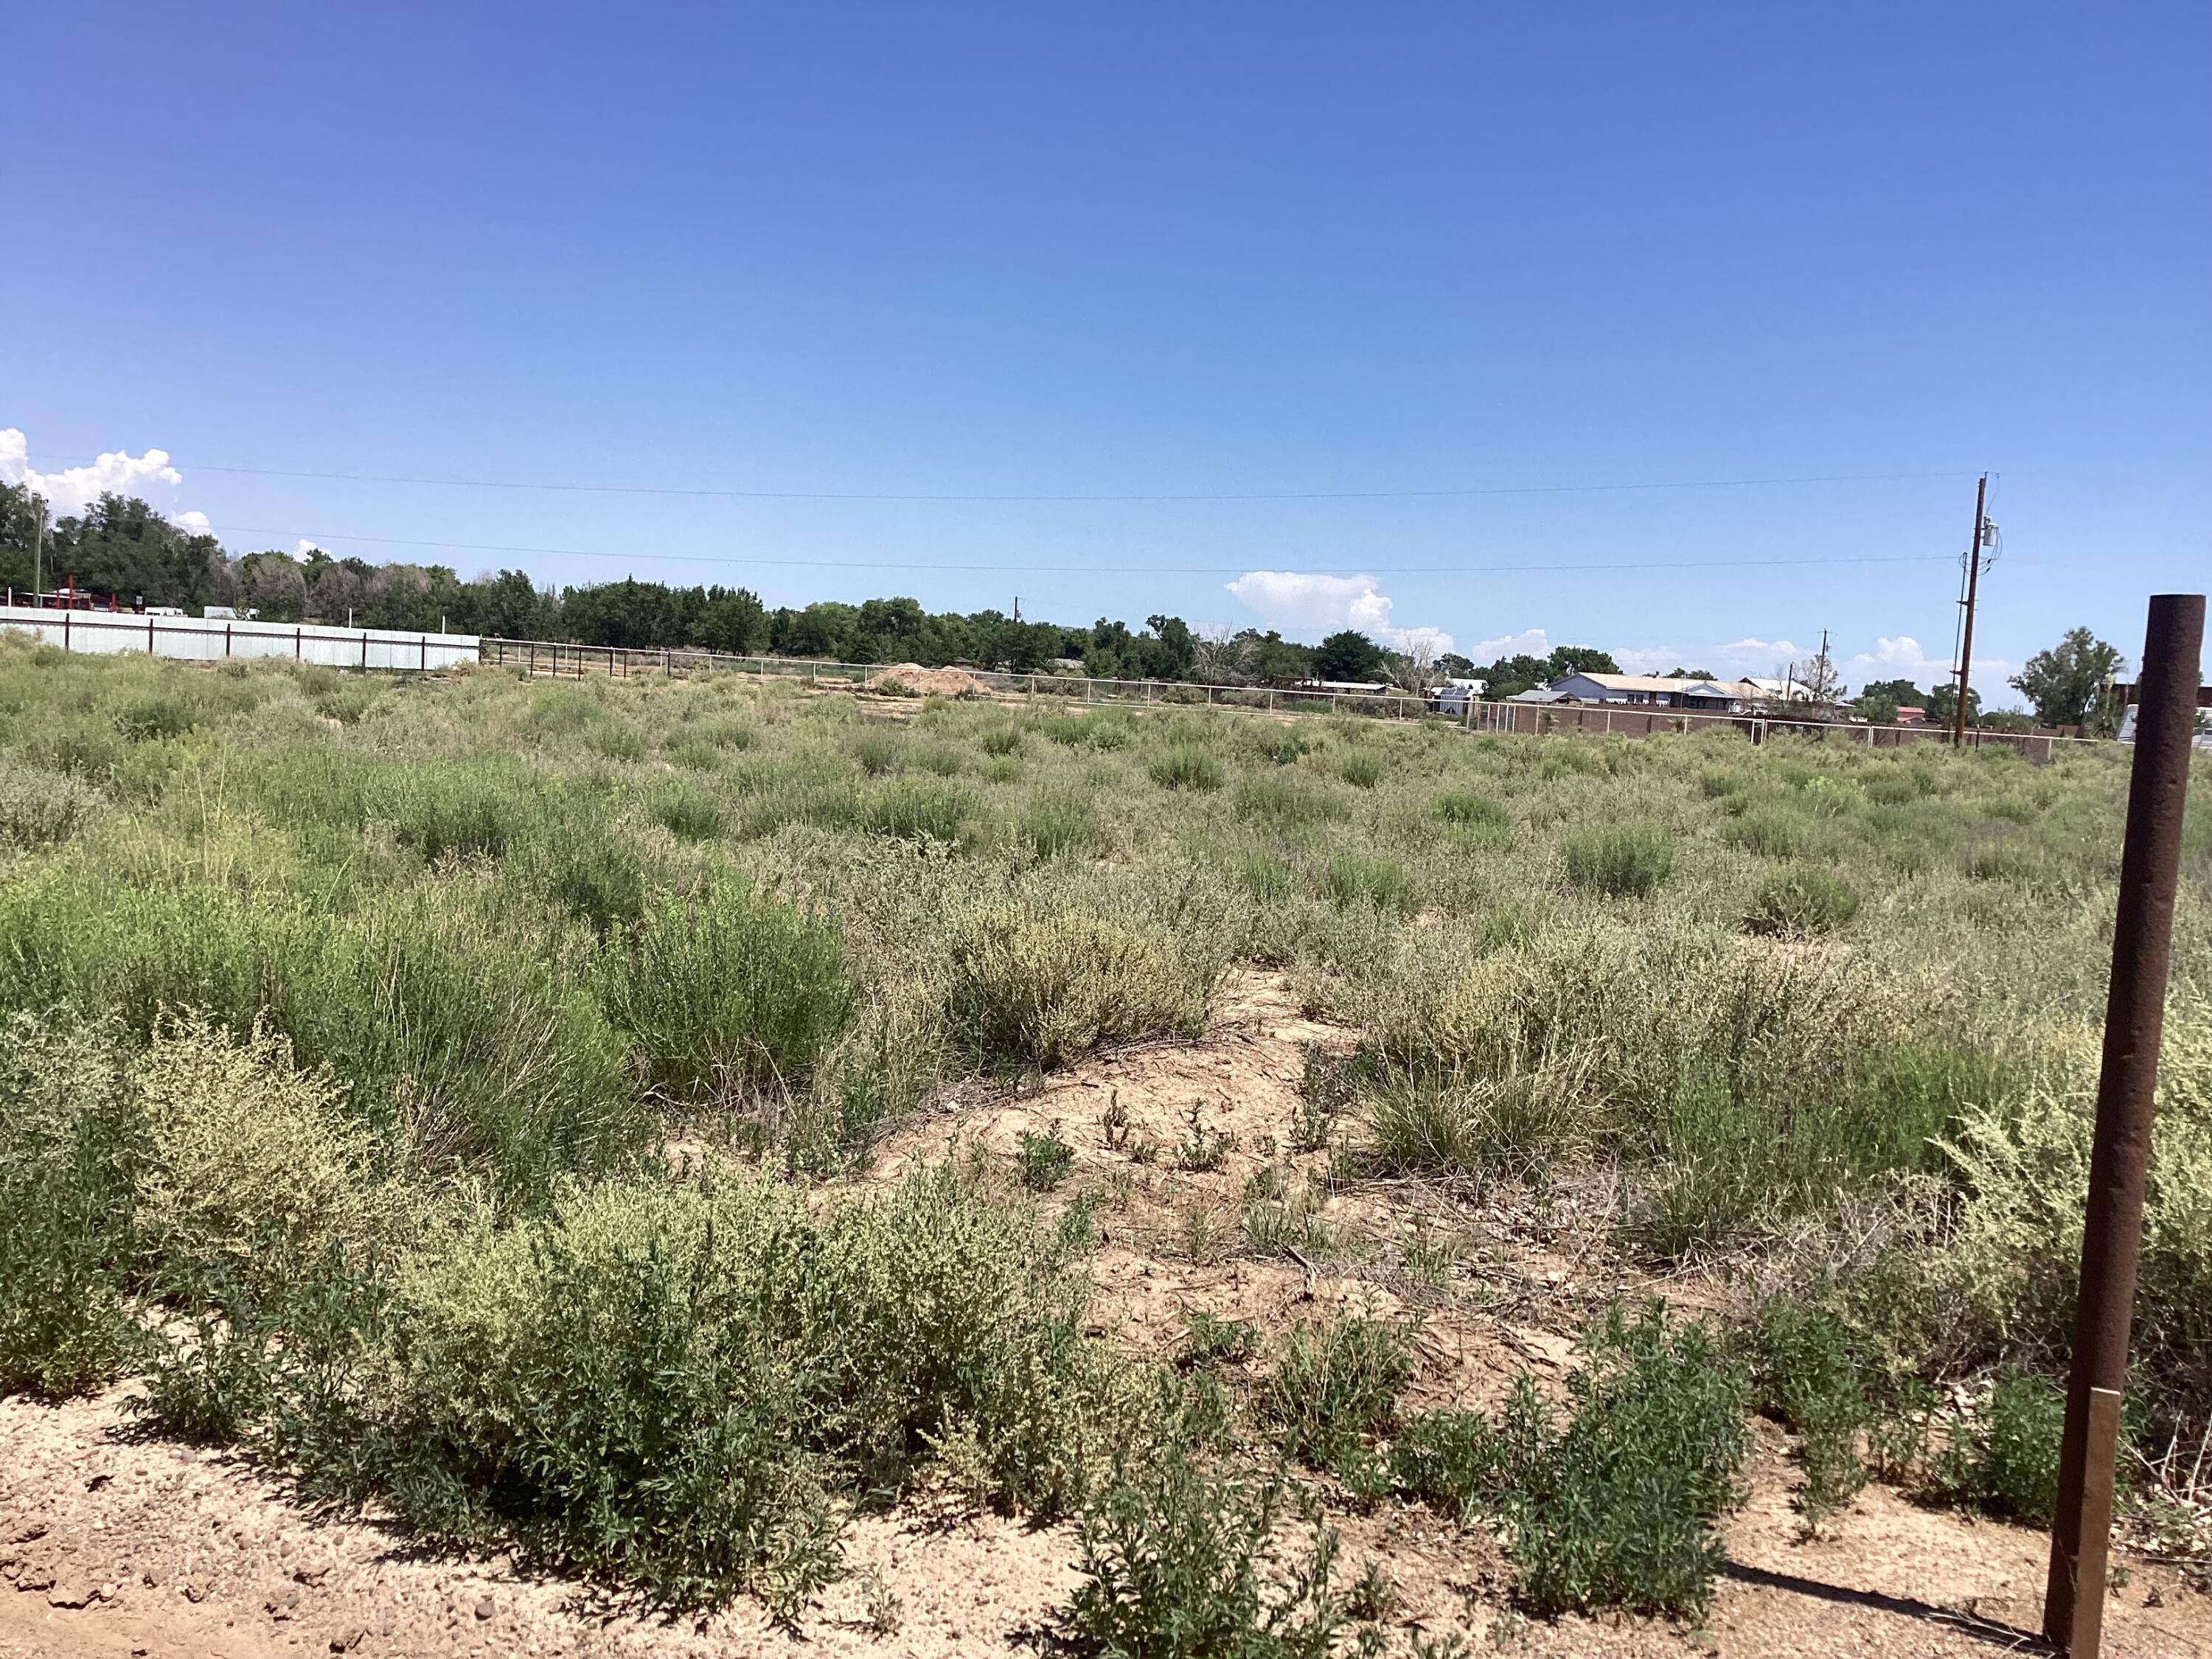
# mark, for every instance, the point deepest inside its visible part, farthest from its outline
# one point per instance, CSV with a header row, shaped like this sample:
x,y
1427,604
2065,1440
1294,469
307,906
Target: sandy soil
x,y
944,682
113,1543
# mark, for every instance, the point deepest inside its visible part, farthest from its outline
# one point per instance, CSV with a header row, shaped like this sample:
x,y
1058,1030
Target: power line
x,y
1080,569
1102,496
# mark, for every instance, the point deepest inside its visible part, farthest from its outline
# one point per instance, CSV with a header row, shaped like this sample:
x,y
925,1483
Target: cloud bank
x,y
70,491
1300,601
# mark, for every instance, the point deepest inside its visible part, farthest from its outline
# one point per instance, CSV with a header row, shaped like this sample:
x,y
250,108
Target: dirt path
x,y
111,1544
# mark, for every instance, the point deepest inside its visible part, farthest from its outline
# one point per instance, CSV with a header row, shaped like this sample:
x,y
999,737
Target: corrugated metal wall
x,y
212,639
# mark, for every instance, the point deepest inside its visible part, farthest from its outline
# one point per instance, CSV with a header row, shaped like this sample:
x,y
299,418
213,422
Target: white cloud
x,y
1903,658
1302,601
1429,643
303,547
1528,642
73,490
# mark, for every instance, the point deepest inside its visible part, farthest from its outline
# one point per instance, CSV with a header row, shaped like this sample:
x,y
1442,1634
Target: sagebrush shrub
x,y
727,991
249,1161
675,1386
1471,812
1620,860
1186,767
1038,983
916,809
1801,899
38,808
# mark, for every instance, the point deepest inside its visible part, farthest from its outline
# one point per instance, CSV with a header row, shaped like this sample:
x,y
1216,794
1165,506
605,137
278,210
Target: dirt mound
x,y
912,677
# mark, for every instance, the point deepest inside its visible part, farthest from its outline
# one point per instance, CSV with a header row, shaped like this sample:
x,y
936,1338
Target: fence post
x,y
2120,1156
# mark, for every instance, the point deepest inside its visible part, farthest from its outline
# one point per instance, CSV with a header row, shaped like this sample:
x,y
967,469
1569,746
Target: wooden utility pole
x,y
1966,647
2119,1152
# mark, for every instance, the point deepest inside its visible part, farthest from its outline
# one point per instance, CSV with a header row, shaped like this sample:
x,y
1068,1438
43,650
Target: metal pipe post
x,y
2135,1016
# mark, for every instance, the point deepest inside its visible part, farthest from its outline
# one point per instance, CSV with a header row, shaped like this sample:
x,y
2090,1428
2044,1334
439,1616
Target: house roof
x,y
1656,683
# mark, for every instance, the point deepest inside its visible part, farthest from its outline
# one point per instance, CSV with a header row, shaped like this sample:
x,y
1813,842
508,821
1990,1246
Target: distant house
x,y
1453,697
1653,691
1910,714
1364,688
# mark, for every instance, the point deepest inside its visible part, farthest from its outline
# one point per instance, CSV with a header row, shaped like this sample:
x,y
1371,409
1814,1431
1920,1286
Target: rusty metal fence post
x,y
2135,1018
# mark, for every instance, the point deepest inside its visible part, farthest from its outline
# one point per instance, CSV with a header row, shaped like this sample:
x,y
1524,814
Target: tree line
x,y
121,546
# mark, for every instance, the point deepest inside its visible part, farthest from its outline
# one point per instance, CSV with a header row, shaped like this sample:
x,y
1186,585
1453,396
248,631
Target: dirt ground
x,y
113,1543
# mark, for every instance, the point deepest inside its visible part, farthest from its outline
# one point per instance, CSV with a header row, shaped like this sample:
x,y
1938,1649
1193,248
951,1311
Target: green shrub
x,y
1044,1159
1186,767
68,1140
1181,1562
1801,899
1476,812
2005,1457
912,809
681,1388
879,753
1215,1341
1361,769
1615,1507
727,991
1771,832
1352,879
1039,984
1813,1373
1621,861
1279,800
1336,1385
1059,824
687,814
1003,741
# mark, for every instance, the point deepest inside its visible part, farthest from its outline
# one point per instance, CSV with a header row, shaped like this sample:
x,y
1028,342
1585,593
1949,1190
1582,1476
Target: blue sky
x,y
1331,261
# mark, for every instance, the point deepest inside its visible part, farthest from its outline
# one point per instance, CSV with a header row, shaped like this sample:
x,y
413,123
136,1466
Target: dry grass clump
x,y
1034,979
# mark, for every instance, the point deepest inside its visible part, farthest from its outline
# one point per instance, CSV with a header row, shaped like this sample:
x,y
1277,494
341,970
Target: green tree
x,y
1880,699
2063,682
1943,704
1347,655
1578,659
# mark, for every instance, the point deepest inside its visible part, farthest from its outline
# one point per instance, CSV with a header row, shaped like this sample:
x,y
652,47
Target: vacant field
x,y
658,1128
